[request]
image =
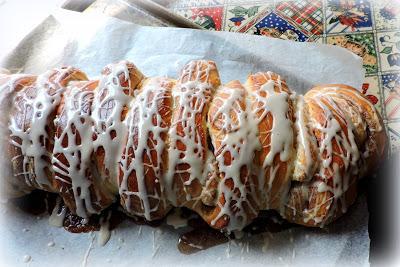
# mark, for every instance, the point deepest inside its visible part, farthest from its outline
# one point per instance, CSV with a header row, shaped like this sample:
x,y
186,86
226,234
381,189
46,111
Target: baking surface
x,y
70,38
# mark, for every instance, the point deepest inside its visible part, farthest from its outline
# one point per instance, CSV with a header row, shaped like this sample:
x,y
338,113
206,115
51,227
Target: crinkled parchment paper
x,y
68,38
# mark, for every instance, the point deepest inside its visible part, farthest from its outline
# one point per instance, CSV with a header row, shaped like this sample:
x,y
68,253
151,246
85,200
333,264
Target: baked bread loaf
x,y
224,151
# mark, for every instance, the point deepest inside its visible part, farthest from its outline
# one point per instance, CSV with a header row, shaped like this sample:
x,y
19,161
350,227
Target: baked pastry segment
x,y
233,132
188,152
112,99
144,159
340,120
274,112
13,183
77,180
31,126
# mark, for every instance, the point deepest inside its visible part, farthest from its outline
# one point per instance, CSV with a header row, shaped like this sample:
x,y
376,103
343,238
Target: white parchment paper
x,y
90,43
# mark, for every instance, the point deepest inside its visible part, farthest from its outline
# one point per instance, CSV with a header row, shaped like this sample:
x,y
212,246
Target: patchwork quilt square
x,y
307,14
389,50
348,16
387,14
275,26
394,136
239,15
391,89
370,89
209,18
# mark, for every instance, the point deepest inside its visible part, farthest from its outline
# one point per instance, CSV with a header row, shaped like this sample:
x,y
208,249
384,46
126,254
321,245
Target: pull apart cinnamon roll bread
x,y
225,151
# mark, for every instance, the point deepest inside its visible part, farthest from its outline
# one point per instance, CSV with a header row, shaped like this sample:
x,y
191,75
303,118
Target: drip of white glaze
x,y
89,249
27,258
333,130
57,217
176,220
304,140
104,233
376,127
275,103
9,187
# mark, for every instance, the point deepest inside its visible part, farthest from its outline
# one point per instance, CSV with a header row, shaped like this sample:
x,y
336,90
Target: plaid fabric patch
x,y
307,14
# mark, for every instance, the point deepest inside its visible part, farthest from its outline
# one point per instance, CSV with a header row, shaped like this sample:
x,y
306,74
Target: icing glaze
x,y
58,214
305,142
11,186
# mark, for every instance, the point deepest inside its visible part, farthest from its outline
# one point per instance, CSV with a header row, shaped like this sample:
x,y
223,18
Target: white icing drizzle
x,y
176,220
191,98
304,140
276,103
240,141
107,115
143,112
333,92
104,233
76,116
57,217
48,96
27,258
228,250
89,249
